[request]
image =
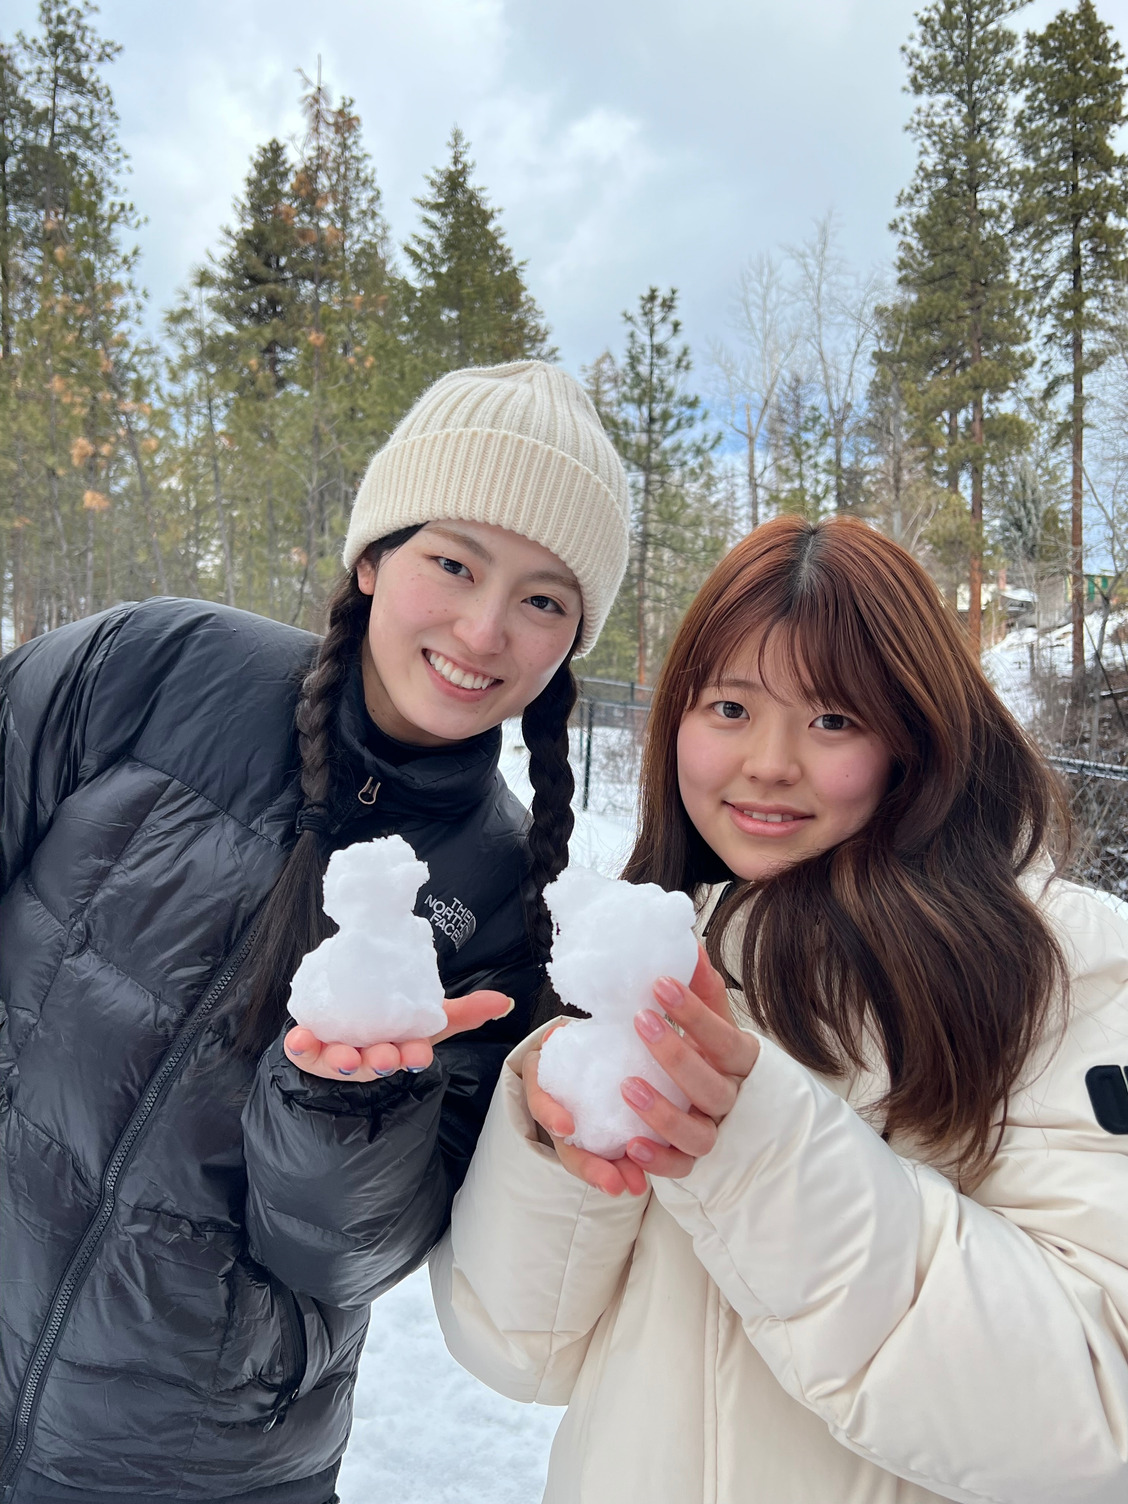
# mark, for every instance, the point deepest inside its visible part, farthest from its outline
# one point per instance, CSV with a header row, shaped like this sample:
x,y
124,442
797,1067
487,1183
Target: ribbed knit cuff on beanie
x,y
519,446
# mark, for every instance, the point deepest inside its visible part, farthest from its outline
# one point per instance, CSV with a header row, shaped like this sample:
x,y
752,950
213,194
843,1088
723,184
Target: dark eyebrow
x,y
554,577
730,683
536,576
464,538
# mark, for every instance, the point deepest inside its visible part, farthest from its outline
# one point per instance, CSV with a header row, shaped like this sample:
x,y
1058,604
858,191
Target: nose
x,y
769,754
482,627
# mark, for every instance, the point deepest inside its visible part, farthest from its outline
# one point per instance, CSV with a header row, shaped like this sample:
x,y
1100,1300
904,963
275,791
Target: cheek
x,y
403,602
698,770
851,784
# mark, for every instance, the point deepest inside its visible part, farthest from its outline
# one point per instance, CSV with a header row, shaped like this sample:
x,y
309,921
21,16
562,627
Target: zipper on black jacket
x,y
295,1357
27,1401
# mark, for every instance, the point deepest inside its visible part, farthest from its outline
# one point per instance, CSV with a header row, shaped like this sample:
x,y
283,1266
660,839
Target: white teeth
x,y
458,676
771,819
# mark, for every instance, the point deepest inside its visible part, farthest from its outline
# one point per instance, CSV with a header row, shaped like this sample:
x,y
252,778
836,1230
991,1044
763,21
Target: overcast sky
x,y
628,142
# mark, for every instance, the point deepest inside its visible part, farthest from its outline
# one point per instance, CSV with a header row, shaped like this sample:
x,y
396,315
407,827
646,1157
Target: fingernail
x,y
637,1093
342,1072
413,1070
641,1151
292,1051
384,1073
668,992
648,1024
512,1005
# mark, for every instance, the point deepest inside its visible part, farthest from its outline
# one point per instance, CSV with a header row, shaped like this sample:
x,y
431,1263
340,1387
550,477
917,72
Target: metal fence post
x,y
587,752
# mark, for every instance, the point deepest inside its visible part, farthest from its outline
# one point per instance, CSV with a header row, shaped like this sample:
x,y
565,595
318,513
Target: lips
x,y
773,823
458,677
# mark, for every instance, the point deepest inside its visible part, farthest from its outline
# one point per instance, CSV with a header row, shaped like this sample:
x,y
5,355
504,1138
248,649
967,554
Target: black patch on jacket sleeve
x,y
1108,1092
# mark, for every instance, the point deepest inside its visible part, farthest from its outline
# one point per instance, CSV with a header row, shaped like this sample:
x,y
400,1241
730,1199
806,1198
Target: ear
x,y
365,575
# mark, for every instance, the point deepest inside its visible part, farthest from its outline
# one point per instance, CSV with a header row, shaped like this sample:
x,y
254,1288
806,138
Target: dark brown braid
x,y
544,727
292,921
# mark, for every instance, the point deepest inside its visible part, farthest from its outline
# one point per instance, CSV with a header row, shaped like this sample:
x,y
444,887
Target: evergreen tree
x,y
255,286
17,216
1074,212
964,341
295,371
798,438
470,303
677,526
78,436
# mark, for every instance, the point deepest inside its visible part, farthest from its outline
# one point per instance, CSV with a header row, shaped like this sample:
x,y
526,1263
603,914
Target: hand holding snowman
x,y
368,1001
623,1093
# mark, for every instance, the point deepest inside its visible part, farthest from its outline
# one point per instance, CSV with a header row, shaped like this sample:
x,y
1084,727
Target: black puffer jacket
x,y
188,1244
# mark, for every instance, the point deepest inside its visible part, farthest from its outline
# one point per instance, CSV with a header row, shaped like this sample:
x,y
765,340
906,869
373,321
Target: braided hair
x,y
292,921
544,727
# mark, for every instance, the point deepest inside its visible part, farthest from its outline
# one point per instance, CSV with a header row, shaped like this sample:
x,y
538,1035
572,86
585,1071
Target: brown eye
x,y
728,710
832,721
547,604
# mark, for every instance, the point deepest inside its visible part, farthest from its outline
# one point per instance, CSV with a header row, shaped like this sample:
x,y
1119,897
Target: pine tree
x,y
655,424
966,334
17,208
802,480
471,305
301,349
255,287
78,436
1075,211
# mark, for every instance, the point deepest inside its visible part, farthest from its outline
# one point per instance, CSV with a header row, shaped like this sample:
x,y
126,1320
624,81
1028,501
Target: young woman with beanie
x,y
197,1205
883,1256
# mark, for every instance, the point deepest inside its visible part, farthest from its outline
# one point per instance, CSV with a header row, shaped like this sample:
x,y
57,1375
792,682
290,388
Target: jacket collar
x,y
415,783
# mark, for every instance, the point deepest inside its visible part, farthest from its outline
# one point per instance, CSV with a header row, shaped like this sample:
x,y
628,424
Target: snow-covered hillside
x,y
1011,664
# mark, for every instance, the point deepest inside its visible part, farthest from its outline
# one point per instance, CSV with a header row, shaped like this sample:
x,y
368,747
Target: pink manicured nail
x,y
649,1024
637,1093
641,1150
668,993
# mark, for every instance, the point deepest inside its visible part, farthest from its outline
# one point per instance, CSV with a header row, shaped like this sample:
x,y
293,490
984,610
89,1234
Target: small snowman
x,y
613,941
377,980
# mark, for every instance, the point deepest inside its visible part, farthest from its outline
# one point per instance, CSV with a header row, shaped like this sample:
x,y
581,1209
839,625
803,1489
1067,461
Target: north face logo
x,y
452,918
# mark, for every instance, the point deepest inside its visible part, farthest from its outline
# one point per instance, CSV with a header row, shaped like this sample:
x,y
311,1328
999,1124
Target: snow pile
x,y
614,940
377,980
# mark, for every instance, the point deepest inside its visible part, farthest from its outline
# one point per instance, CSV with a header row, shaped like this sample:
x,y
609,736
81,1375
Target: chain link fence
x,y
1099,801
608,766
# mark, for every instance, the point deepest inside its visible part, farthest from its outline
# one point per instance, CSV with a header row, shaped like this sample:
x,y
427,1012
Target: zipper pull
x,y
367,795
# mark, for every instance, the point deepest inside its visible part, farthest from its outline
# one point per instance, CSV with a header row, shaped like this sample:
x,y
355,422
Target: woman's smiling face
x,y
469,623
768,778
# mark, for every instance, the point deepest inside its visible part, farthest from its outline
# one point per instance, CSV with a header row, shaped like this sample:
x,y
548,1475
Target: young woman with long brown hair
x,y
884,1256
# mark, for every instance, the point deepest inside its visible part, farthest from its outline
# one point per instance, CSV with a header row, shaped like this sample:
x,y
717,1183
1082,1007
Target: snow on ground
x,y
1011,664
425,1431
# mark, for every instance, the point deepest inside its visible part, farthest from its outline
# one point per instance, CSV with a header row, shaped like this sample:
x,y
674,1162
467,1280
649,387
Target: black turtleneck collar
x,y
439,783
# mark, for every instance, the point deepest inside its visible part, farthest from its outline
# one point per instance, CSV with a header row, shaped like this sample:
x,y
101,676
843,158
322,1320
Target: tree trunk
x,y
753,488
975,563
1076,556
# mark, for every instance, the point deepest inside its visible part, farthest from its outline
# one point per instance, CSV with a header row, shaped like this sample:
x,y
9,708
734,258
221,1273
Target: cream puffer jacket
x,y
810,1317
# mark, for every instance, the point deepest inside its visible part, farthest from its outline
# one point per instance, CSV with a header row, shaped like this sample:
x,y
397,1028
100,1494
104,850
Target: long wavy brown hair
x,y
913,934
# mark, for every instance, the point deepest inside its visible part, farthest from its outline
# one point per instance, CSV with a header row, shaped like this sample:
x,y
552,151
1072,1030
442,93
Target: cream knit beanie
x,y
519,446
